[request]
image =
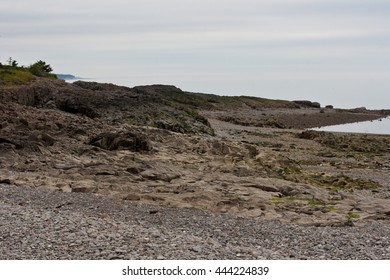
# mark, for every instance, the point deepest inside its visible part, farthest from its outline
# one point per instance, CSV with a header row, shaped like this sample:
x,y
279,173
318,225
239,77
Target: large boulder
x,y
307,104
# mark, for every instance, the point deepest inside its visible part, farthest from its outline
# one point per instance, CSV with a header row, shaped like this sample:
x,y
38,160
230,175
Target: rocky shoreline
x,y
99,171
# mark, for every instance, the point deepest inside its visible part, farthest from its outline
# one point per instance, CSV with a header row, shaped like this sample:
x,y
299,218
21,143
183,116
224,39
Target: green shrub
x,y
41,69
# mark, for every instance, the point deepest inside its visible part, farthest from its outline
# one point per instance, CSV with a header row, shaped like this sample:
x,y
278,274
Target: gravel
x,y
46,224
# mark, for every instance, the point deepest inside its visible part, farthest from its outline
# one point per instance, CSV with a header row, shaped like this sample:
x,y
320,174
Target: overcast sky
x,y
332,51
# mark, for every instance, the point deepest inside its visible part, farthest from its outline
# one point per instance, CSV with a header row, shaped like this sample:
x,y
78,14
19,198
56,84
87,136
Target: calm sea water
x,y
381,126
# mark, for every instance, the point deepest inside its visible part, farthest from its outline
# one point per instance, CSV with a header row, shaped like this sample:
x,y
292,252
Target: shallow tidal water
x,y
381,126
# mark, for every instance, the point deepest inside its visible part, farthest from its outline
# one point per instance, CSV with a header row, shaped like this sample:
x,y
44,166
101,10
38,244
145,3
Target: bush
x,y
13,74
41,69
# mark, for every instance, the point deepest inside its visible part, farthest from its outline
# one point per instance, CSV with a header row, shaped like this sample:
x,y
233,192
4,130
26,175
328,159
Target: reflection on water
x,y
381,126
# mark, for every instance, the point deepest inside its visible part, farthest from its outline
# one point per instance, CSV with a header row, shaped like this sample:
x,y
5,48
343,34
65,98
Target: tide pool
x,y
381,126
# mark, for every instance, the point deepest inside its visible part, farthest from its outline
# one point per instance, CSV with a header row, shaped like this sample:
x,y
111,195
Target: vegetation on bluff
x,y
13,74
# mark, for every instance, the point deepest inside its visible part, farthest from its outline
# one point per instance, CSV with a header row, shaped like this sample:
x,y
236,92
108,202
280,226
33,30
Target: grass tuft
x,y
15,77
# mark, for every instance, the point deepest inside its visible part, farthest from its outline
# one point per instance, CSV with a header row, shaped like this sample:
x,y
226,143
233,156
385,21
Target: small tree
x,y
12,62
40,68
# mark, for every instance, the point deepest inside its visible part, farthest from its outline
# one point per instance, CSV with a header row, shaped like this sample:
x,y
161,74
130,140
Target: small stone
x,y
155,234
196,249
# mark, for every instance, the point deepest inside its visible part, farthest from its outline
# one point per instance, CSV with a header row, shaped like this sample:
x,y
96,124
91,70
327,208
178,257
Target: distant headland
x,y
67,77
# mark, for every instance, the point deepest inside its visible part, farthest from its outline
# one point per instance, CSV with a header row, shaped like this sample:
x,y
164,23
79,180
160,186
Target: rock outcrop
x,y
149,105
153,144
